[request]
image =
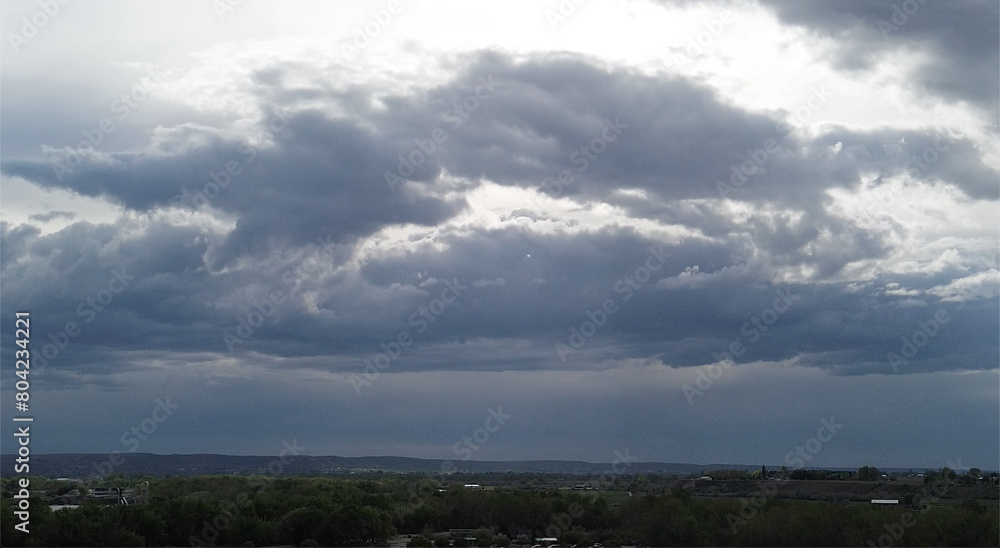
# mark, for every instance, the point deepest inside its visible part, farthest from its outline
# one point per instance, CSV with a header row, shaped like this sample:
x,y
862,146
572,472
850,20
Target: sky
x,y
728,231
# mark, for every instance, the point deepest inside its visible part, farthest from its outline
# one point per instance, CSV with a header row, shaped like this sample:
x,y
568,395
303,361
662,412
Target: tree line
x,y
325,511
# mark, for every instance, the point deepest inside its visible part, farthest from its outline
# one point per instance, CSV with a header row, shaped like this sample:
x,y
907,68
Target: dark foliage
x,y
265,511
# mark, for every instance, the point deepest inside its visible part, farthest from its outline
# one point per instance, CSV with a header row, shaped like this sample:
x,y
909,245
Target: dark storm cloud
x,y
173,304
180,156
667,136
15,240
322,178
660,133
94,292
681,140
674,139
960,40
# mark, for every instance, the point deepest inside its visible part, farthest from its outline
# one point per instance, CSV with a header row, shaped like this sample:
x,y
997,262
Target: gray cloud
x,y
322,177
220,219
959,39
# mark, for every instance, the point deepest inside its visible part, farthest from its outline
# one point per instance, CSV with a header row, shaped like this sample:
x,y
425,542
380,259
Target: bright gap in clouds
x,y
52,210
922,221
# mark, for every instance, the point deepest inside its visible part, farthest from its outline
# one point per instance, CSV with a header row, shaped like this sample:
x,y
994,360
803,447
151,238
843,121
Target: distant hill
x,y
82,465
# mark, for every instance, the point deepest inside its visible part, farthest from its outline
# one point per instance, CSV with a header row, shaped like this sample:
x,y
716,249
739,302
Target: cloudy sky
x,y
708,232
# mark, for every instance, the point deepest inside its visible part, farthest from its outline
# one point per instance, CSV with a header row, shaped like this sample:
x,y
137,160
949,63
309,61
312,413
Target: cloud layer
x,y
578,238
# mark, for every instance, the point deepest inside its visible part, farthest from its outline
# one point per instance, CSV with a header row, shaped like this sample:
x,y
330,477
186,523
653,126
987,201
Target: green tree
x,y
948,474
300,524
574,536
11,536
357,526
89,525
972,477
868,473
419,541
